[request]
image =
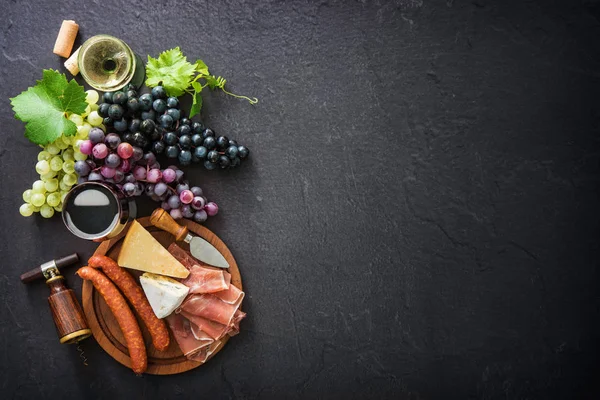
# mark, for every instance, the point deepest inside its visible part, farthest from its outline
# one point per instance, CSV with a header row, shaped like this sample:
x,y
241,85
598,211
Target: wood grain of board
x,y
105,328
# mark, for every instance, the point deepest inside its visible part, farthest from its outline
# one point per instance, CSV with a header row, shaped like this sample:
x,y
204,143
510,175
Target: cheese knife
x,y
199,247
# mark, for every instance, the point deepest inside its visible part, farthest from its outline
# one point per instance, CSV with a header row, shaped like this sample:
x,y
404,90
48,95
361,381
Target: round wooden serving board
x,y
106,329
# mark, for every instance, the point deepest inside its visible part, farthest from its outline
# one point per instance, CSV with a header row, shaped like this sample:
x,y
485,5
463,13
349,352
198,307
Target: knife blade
x,y
200,248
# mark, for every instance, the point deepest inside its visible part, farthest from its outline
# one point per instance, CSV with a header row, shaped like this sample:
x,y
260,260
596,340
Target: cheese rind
x,y
143,252
164,294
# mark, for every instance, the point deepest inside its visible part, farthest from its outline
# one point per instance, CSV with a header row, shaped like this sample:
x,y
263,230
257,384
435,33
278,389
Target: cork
x,y
66,38
72,63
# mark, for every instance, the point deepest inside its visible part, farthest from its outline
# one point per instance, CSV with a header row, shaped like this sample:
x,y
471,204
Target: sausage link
x,y
123,314
134,293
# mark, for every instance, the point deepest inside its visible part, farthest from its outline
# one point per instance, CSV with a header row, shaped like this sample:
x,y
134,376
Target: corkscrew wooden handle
x,y
161,219
70,322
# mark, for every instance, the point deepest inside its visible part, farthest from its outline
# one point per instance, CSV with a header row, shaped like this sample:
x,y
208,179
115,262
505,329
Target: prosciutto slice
x,y
202,278
189,343
232,295
210,307
206,352
235,325
200,324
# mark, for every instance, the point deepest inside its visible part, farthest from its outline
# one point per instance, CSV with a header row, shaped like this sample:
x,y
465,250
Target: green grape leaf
x,y
43,107
201,67
197,99
214,82
172,70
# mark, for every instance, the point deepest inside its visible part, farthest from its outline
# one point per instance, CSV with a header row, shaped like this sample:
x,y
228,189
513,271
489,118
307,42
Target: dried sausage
x,y
135,295
123,315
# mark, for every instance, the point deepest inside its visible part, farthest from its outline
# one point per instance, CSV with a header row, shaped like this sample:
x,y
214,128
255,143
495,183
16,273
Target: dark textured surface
x,y
419,218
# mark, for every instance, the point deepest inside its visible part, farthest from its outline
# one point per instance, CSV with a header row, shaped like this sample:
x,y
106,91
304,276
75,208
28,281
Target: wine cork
x,y
66,38
72,63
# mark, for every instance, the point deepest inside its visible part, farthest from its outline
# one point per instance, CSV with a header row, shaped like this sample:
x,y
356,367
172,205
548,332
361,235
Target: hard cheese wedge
x,y
142,252
164,294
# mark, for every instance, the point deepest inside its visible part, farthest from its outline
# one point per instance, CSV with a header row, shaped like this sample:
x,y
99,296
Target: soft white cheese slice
x,y
164,294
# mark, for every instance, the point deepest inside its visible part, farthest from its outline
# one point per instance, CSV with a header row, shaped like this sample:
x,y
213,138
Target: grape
x,y
147,126
86,147
87,111
222,143
139,173
169,175
38,187
107,171
186,196
233,143
185,121
200,216
94,118
46,211
125,150
51,185
53,199
149,189
107,97
198,202
158,147
91,96
76,119
212,156
119,98
165,206
210,143
149,158
138,153
185,142
68,155
224,162
209,165
26,210
196,190
112,160
115,112
179,174
148,115
100,151
174,113
198,127
42,167
69,180
176,213
159,106
185,157
200,152
181,187
79,156
185,130
235,162
130,178
94,176
231,152
174,201
68,166
140,140
158,92
196,140
82,179
170,138
103,110
83,131
107,121
44,155
52,149
38,199
187,211
129,189
211,209
63,195
134,125
27,195
125,166
166,121
145,101
154,175
243,152
49,175
96,135
139,189
155,135
172,102
172,151
133,104
120,125
160,188
112,140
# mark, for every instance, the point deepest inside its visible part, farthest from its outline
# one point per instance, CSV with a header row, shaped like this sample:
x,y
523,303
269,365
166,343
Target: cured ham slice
x,y
232,295
214,329
210,307
234,329
206,352
202,278
189,343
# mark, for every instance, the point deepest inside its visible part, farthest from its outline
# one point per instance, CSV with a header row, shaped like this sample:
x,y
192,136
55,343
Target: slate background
x,y
418,219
